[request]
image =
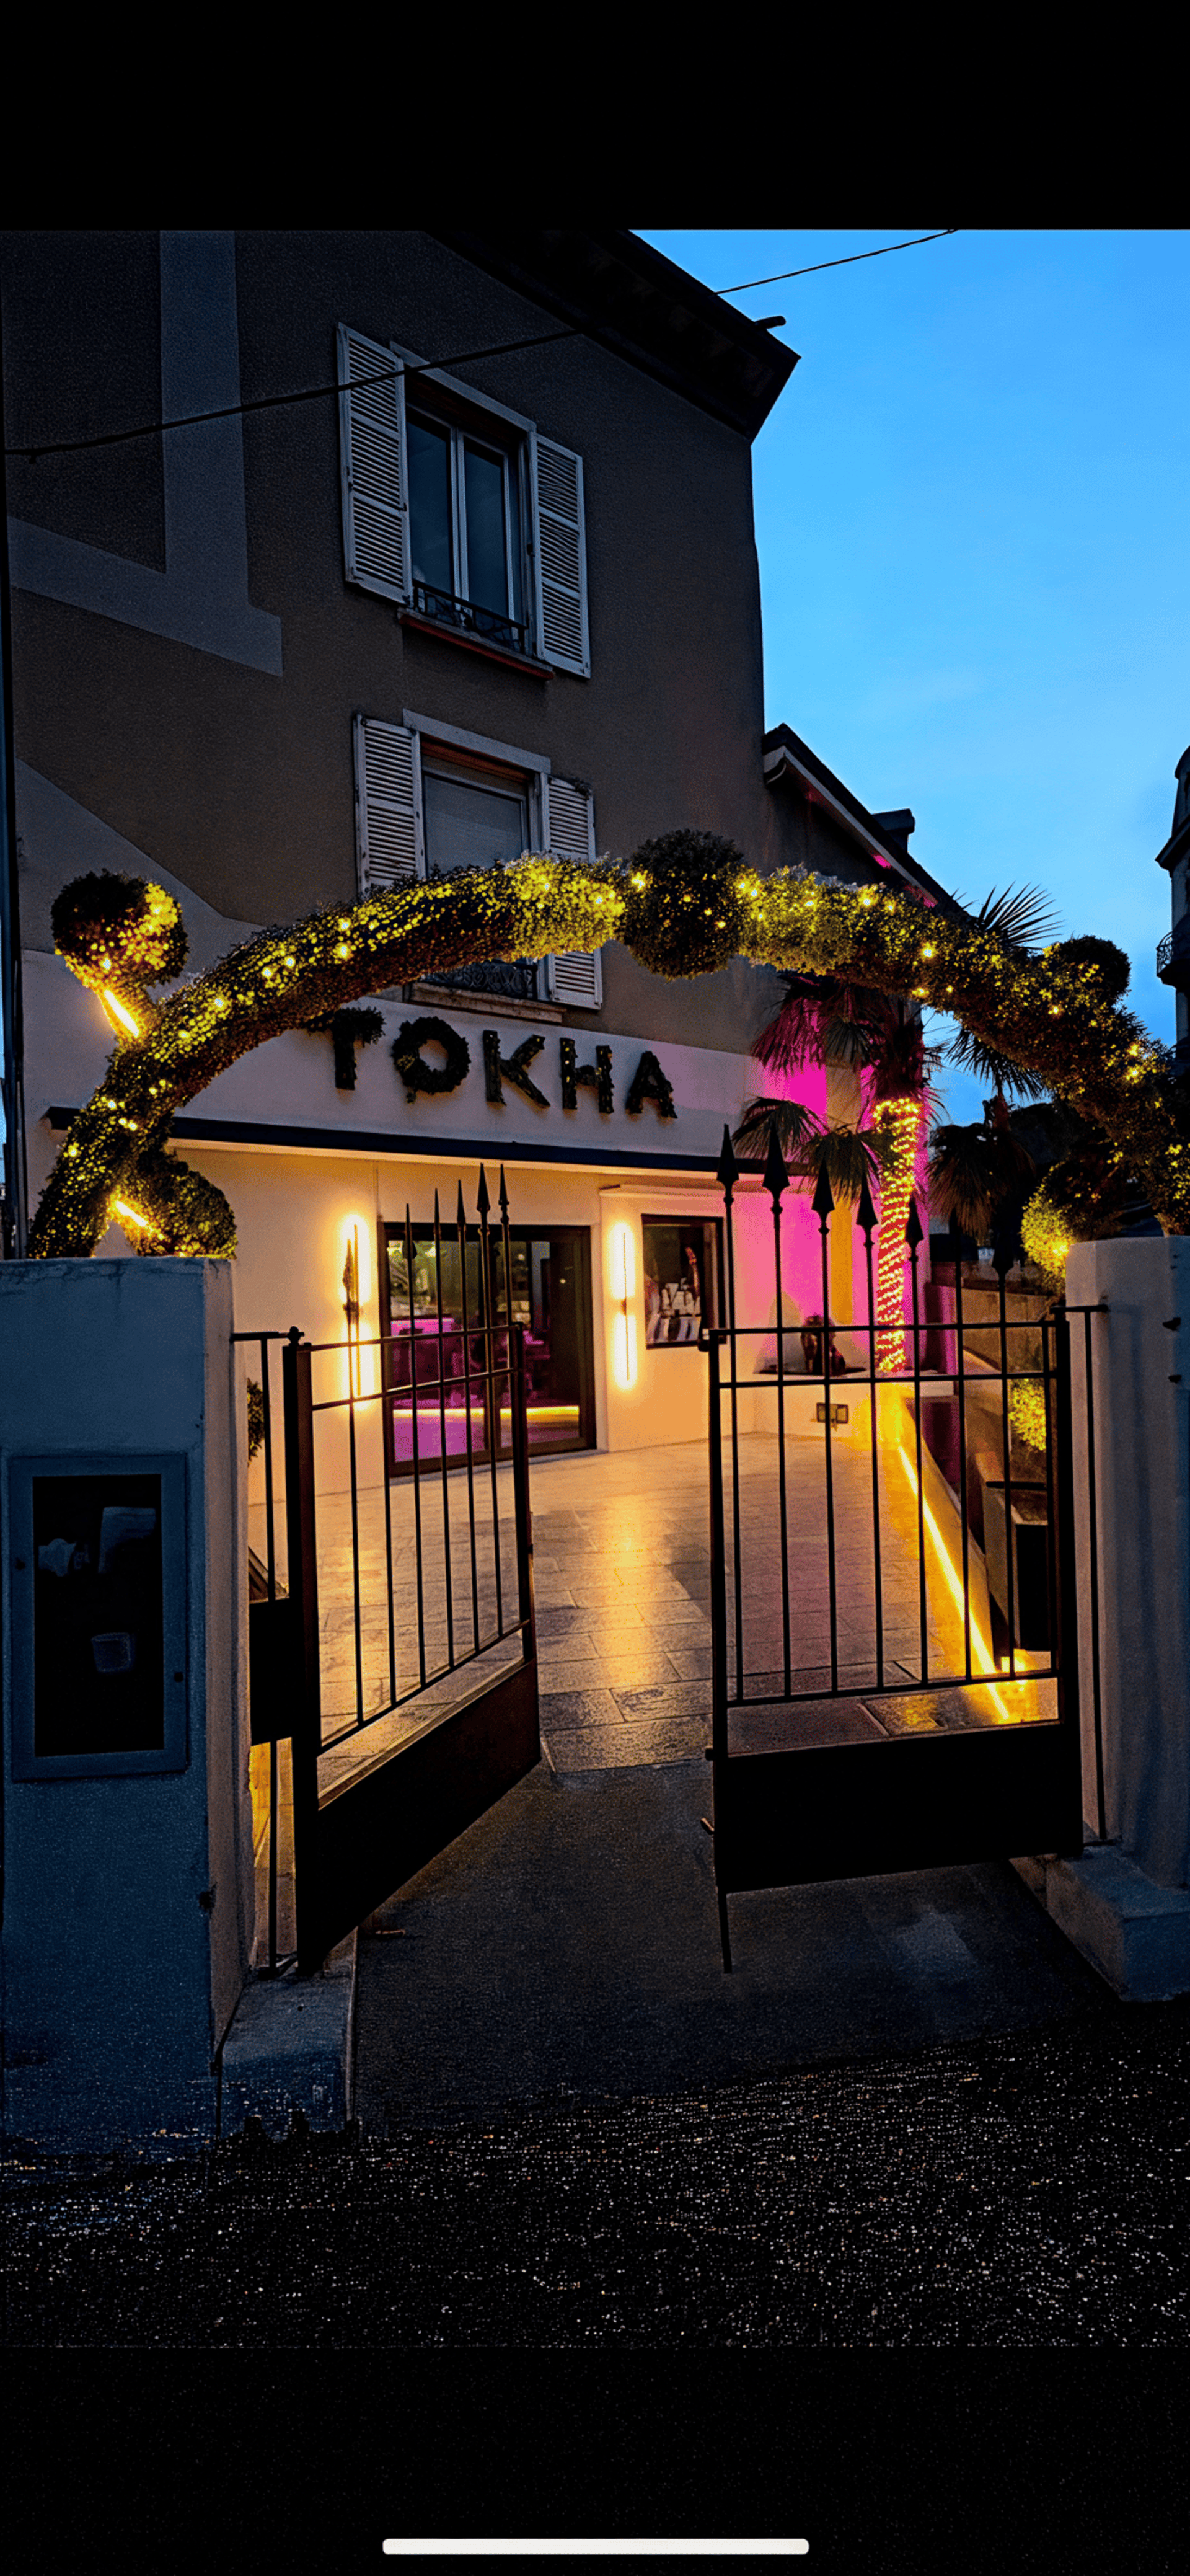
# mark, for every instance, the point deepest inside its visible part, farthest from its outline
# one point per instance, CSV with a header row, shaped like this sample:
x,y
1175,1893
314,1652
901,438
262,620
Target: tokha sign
x,y
421,1075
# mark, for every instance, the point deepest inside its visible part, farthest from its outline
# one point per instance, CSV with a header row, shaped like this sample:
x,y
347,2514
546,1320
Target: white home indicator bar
x,y
596,2548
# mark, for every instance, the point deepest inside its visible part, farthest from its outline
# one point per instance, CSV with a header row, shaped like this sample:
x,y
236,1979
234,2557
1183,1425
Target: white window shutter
x,y
574,975
561,556
372,463
387,806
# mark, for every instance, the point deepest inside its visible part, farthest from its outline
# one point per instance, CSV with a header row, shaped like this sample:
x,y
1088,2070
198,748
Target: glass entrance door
x,y
435,1322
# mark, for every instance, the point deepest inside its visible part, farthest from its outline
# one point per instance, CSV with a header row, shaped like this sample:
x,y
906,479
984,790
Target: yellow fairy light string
x,y
684,905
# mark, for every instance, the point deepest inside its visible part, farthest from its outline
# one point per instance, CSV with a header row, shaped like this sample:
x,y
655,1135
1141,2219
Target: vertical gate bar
x,y
1048,1364
270,1538
483,1203
728,1169
964,1510
461,1223
271,1560
776,1182
1066,1587
719,1626
866,1219
306,1735
821,1204
388,1460
520,1485
1093,1564
1006,1446
913,1233
421,1595
450,1616
274,1802
359,1651
506,1241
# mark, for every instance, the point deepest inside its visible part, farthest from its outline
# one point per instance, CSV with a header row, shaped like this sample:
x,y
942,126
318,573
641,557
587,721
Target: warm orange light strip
x,y
119,1013
982,1655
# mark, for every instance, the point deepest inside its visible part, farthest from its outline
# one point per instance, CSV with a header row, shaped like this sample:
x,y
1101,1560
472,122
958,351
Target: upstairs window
x,y
427,805
466,548
460,510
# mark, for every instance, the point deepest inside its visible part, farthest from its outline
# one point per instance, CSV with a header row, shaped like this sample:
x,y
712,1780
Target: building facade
x,y
1173,955
449,556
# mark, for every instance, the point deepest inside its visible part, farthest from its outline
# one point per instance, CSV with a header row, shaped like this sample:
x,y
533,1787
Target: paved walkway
x,y
567,1945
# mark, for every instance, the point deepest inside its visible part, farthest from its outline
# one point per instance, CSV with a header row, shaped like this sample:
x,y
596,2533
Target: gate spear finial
x,y
776,1177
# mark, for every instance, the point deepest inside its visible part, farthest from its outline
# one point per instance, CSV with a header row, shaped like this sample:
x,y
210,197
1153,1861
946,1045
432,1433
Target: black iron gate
x,y
392,1637
895,1671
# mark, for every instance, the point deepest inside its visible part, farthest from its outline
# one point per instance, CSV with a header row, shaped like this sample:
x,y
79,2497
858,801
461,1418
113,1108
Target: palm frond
x,y
1023,915
971,1055
790,1122
899,1071
793,1034
823,1019
849,1156
972,1171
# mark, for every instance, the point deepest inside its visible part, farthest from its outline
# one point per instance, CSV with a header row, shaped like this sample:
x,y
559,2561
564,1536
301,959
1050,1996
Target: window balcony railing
x,y
464,617
1173,955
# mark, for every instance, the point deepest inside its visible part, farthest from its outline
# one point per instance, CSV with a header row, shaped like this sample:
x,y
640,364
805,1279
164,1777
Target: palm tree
x,y
827,1020
975,1170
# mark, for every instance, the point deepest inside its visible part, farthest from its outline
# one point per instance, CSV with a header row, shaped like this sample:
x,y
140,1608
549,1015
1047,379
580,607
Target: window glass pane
x,y
471,827
487,574
439,1378
429,506
681,1264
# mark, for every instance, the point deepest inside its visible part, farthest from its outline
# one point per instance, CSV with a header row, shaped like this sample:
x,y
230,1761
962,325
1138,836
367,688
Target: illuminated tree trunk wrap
x,y
902,1120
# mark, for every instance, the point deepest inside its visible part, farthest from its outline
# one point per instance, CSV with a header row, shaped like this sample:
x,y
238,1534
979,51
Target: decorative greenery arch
x,y
685,905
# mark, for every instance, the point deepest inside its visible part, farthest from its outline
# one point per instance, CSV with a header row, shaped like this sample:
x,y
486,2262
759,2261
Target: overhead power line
x,y
849,262
33,453
274,402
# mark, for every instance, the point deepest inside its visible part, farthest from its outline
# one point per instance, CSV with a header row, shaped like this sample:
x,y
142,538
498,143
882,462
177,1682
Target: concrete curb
x,y
1136,1934
290,2049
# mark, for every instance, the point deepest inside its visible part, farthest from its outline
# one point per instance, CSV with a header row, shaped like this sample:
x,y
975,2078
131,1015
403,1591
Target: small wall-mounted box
x,y
99,1614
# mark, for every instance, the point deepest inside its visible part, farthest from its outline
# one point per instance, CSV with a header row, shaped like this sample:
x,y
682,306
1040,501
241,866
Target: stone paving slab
x,y
569,1941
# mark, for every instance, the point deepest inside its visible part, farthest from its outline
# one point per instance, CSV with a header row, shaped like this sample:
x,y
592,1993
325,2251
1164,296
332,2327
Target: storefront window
x,y
682,1263
435,1321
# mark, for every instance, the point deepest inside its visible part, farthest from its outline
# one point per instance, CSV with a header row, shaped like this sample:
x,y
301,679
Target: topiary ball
x,y
684,914
119,930
1111,968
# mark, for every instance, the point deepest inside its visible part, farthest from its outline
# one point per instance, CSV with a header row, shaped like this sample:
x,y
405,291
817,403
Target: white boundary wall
x,y
122,1969
1127,1903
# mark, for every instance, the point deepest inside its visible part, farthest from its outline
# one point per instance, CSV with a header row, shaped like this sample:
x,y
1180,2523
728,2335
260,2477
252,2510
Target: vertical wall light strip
x,y
356,1287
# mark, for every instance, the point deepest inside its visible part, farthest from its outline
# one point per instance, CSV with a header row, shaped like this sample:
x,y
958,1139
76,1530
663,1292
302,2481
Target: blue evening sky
x,y
971,513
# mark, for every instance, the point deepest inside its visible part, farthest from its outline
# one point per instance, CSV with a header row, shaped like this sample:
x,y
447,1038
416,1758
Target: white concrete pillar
x,y
1127,1902
128,1914
1140,1379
